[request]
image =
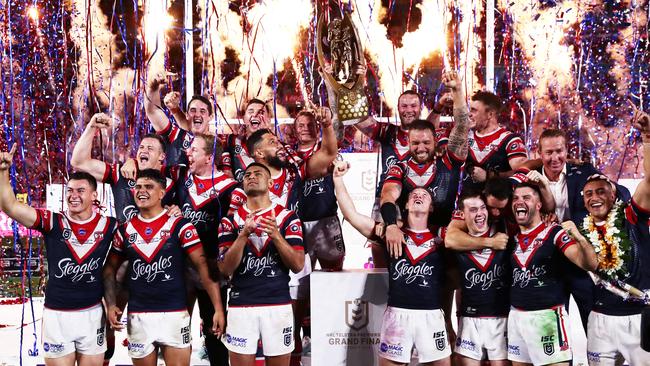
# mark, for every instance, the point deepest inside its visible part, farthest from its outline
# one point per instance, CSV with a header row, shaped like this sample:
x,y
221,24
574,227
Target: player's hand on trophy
x,y
394,240
360,70
7,157
101,121
173,101
451,80
129,169
341,167
114,318
498,242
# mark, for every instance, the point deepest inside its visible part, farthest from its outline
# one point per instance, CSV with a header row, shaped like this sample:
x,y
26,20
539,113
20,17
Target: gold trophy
x,y
345,54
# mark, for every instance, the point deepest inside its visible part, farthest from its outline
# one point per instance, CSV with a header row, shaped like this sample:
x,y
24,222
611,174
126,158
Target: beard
x,y
277,162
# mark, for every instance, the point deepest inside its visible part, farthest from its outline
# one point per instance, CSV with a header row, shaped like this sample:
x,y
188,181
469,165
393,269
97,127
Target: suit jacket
x,y
576,178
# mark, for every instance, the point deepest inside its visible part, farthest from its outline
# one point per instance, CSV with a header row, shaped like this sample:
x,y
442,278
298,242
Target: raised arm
x,y
152,104
15,209
458,136
434,116
318,164
173,102
642,194
82,154
364,224
457,238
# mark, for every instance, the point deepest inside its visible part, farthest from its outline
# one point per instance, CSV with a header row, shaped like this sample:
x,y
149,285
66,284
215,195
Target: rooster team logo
x,y
357,314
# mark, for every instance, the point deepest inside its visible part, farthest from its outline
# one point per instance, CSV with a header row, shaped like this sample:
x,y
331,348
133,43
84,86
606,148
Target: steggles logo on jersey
x,y
523,276
357,314
403,268
197,217
150,270
69,268
314,183
257,265
484,279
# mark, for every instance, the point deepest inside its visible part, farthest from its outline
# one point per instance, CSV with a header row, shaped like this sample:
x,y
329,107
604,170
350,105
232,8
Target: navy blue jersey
x,y
204,201
415,278
440,177
123,189
178,141
155,249
538,268
317,198
485,281
261,277
638,267
394,148
75,255
493,151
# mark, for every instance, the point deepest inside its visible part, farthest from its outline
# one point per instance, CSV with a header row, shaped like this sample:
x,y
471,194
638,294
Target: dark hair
x,y
255,138
258,165
532,186
202,99
468,193
491,100
498,187
212,147
422,125
550,133
258,101
154,175
157,137
410,92
84,176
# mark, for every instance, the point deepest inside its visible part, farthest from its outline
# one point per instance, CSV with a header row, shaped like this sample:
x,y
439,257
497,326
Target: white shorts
x,y
539,337
482,338
404,329
247,325
81,331
299,282
146,331
610,339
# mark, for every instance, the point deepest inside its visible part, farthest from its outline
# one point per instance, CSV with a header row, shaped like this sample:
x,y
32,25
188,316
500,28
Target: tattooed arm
x,y
458,137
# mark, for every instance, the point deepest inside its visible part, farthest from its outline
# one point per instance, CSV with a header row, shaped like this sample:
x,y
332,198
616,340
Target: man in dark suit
x,y
566,183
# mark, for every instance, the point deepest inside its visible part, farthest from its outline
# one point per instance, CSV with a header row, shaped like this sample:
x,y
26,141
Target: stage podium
x,y
346,314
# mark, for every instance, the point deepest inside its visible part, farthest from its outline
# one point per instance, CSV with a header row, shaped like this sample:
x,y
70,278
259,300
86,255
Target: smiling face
x,y
79,196
200,162
422,145
150,154
476,215
599,197
408,108
271,151
554,154
419,201
305,128
526,206
148,193
256,117
198,114
480,115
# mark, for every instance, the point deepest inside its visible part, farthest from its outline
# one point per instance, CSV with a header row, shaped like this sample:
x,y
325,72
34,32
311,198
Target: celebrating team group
x,y
238,221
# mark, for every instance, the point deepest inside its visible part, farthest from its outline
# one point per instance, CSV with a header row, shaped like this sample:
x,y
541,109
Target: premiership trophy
x,y
343,46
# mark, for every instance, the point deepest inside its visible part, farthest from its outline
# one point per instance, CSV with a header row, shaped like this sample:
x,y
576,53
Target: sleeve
x,y
292,231
227,232
519,176
457,215
451,160
395,174
174,172
225,161
563,241
44,220
170,132
189,238
637,215
516,148
442,137
237,199
441,232
380,132
118,242
111,173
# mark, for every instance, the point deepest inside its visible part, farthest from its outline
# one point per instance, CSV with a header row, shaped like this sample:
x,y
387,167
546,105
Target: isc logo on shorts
x,y
288,335
100,336
185,331
547,342
440,340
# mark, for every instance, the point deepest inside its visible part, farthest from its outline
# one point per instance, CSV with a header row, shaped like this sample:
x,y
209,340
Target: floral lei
x,y
613,250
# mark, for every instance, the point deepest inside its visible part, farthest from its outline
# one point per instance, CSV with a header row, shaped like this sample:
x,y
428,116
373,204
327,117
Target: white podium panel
x,y
346,314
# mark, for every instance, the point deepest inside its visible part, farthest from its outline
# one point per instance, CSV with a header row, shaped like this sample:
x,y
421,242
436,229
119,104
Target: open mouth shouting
x,y
521,212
